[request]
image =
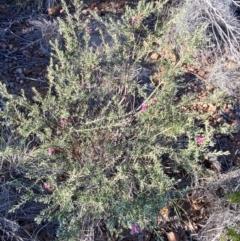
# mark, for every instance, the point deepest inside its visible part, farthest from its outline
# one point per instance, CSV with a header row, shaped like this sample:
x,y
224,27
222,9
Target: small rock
x,y
21,81
19,70
220,120
25,71
205,106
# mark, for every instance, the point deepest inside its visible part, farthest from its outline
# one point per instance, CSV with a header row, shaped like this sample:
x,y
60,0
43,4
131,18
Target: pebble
x,y
21,81
220,120
19,70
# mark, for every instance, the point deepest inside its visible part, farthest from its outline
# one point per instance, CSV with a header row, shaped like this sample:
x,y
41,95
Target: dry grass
x,y
225,75
50,32
223,213
222,30
19,224
223,25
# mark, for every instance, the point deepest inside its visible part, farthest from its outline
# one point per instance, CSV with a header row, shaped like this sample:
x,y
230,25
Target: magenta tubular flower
x,y
89,30
144,107
200,139
133,20
134,228
47,186
50,151
154,101
63,122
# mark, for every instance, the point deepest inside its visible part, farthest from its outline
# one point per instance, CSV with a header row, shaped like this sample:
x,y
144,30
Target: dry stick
x,y
33,42
4,79
150,96
159,84
38,80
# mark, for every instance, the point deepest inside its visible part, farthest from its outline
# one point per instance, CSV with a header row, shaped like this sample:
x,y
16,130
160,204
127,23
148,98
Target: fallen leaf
x,y
54,9
212,108
154,56
201,73
165,213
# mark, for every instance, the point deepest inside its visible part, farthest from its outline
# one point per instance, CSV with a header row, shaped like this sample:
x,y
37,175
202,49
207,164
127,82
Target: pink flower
x,y
50,151
155,2
89,30
62,10
133,20
134,228
47,186
200,139
154,101
144,107
63,122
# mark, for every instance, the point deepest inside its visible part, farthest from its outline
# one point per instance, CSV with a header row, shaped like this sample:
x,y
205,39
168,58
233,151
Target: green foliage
x,y
89,136
234,197
232,234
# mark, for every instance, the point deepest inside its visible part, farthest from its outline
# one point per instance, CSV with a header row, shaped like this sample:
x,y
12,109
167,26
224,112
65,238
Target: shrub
x,y
95,140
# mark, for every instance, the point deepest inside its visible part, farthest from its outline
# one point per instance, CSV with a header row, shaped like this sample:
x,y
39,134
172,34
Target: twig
x,y
33,42
19,37
6,56
37,80
4,79
150,96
